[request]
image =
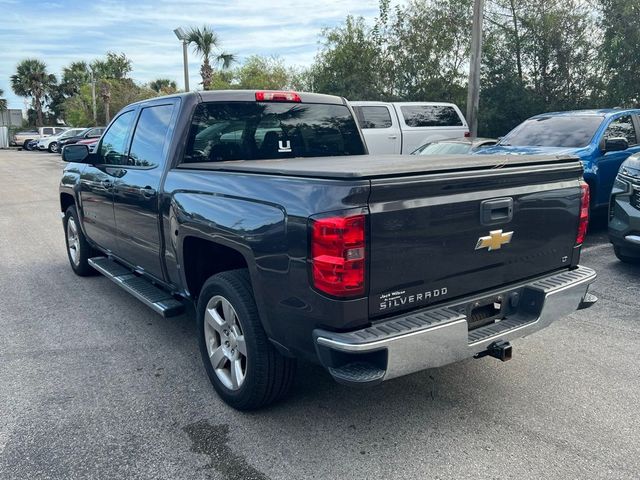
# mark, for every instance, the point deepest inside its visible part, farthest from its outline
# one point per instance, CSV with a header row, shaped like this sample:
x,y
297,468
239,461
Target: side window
x,y
373,117
59,130
150,136
430,116
112,147
622,127
47,131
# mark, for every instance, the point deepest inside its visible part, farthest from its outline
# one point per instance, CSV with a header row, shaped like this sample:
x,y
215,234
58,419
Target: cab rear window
x,y
430,116
228,131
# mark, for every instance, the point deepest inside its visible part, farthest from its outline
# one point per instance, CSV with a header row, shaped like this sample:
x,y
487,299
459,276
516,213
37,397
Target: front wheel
x,y
243,366
625,258
78,249
53,147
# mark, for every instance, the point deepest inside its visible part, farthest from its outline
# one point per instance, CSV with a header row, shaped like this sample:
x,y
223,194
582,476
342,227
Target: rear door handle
x,y
147,191
392,137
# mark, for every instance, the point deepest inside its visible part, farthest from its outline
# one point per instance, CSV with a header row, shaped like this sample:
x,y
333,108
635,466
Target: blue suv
x,y
602,139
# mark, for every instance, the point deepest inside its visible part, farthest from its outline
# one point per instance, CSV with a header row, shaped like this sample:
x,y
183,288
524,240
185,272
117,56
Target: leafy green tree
x,y
620,51
32,80
204,41
348,63
538,55
163,86
262,72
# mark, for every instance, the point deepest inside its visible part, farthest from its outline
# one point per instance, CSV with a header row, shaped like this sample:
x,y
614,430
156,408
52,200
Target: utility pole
x,y
473,96
93,98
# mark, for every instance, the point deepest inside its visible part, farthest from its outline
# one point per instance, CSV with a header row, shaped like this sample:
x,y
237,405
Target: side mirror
x,y
75,153
615,144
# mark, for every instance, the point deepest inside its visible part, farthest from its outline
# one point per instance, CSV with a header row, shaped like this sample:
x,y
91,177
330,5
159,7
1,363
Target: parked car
x,y
52,143
24,137
404,126
31,145
89,142
296,244
602,139
90,133
624,211
454,146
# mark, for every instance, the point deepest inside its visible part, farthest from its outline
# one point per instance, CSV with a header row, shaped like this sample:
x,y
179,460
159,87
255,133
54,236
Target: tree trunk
x,y
517,39
206,72
37,104
105,92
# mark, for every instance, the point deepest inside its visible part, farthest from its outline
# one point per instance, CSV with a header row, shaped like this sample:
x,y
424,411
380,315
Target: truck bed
x,y
376,166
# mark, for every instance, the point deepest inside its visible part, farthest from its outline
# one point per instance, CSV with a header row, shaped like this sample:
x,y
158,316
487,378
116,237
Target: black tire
x,y
25,145
80,264
53,147
625,258
269,374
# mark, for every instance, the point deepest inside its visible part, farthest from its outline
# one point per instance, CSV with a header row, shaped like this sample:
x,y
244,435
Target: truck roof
x,y
245,96
375,166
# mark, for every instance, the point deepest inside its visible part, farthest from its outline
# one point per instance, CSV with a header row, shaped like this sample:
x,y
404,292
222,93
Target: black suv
x,y
624,211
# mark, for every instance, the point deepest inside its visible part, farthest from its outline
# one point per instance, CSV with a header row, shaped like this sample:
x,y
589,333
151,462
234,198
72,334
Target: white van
x,y
402,127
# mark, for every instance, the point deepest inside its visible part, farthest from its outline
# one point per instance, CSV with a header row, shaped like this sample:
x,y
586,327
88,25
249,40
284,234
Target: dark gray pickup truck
x,y
264,211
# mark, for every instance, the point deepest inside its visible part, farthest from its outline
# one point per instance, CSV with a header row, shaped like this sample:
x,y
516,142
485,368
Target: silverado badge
x,y
494,241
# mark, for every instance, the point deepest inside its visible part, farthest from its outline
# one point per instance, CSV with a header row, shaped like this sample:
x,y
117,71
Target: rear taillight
x,y
265,96
467,134
338,255
583,223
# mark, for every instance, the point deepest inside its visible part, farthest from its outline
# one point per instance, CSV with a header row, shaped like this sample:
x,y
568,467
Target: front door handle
x,y
147,191
392,137
106,183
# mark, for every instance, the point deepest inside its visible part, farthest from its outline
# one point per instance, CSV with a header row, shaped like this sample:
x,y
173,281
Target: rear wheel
x,y
625,258
78,249
243,366
53,147
25,144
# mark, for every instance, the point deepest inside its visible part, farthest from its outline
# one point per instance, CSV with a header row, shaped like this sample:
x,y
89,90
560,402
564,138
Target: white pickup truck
x,y
402,127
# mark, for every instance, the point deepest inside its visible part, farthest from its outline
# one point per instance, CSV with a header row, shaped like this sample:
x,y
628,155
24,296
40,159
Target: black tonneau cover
x,y
374,166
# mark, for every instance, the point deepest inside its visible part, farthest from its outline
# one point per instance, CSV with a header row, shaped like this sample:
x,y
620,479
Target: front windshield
x,y
444,148
554,131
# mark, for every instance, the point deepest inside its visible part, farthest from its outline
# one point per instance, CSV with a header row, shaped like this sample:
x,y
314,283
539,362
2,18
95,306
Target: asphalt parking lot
x,y
95,385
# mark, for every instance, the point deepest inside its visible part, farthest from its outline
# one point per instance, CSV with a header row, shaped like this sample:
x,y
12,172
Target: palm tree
x,y
163,85
32,80
113,67
3,101
204,41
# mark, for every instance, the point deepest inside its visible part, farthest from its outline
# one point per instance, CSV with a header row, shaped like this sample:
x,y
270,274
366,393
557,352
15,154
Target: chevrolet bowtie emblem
x,y
494,241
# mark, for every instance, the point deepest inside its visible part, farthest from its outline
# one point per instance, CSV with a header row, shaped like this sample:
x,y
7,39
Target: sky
x,y
59,32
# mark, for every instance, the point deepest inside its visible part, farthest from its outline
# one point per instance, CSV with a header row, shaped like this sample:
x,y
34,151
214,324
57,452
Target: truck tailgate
x,y
441,236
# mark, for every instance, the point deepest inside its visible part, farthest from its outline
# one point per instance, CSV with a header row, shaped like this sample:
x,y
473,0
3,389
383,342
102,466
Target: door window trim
x,y
168,137
635,121
127,141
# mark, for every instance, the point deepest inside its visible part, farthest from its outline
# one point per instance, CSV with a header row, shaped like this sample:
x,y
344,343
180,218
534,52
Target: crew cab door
x,y
97,181
608,163
136,191
380,128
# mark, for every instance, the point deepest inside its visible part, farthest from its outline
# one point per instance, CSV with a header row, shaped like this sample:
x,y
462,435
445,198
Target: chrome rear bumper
x,y
435,337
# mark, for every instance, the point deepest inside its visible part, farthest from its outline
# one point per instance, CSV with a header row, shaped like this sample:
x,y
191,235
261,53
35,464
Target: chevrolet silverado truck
x,y
263,211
